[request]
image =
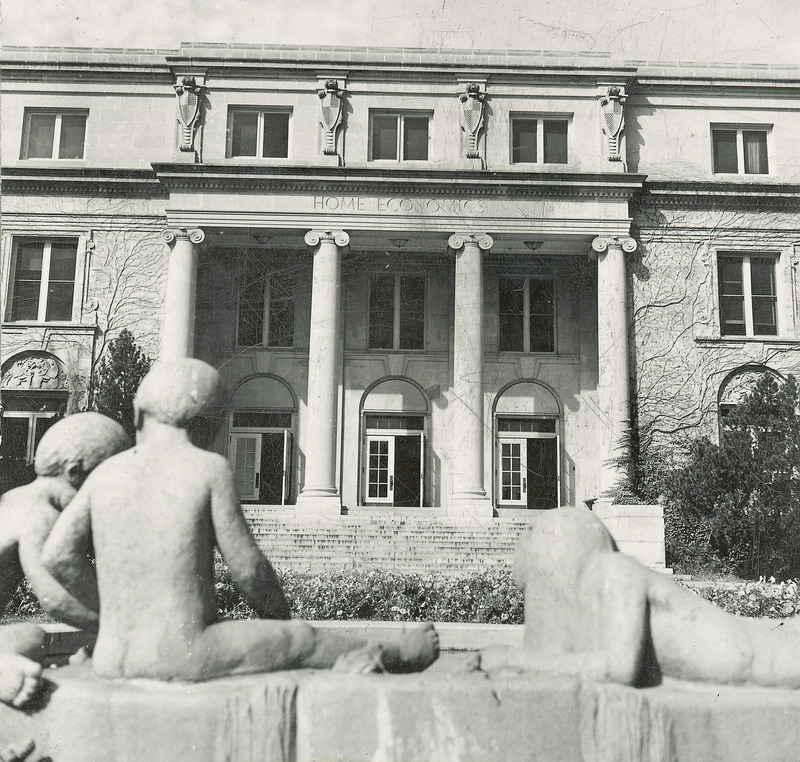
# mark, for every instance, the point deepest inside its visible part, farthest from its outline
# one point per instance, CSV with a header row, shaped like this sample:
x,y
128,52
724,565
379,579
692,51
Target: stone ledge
x,y
308,715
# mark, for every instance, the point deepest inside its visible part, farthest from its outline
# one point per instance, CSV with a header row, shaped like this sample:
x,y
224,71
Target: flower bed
x,y
490,597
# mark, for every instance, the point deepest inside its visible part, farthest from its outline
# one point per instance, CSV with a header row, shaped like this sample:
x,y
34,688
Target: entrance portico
x,y
460,246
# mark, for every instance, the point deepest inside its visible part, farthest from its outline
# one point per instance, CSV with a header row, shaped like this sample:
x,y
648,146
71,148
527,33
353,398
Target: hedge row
x,y
490,597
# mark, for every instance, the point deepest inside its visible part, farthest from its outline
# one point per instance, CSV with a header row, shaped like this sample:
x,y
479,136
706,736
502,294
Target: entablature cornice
x,y
199,177
138,183
704,194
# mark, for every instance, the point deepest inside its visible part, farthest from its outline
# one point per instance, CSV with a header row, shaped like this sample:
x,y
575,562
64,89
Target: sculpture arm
x,y
250,569
63,555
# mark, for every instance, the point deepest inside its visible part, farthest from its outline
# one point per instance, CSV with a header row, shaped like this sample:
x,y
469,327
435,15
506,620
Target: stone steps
x,y
404,542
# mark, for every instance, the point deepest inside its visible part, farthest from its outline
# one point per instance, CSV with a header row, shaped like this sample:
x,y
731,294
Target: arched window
x,y
261,453
394,421
34,396
737,385
528,454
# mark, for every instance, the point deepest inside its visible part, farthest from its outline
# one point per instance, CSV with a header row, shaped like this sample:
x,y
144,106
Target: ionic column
x,y
320,494
613,386
467,424
177,336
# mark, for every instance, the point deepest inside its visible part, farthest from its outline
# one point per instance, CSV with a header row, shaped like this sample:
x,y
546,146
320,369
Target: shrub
x,y
745,492
377,595
117,378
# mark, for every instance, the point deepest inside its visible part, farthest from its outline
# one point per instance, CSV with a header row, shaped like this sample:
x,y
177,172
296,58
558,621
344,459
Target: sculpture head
x,y
176,391
559,542
75,445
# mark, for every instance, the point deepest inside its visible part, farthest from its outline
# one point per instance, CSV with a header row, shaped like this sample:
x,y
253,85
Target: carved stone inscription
x,y
398,205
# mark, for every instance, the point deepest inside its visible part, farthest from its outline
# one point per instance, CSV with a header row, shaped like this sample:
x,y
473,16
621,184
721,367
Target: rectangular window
x,y
43,280
399,137
527,315
538,140
748,300
738,150
258,133
266,306
51,134
397,312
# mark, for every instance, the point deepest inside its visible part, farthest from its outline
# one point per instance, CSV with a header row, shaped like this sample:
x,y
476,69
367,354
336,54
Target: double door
x,y
261,466
394,469
528,464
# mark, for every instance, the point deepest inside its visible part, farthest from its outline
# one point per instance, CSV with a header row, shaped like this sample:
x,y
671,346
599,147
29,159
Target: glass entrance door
x,y
527,463
394,461
261,459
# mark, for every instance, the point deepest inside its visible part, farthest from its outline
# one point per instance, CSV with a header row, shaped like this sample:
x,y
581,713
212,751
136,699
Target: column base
x,y
318,506
471,507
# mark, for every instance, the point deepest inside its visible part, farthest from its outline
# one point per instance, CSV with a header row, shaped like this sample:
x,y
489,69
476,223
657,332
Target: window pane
x,y
251,309
755,152
412,312
261,420
542,315
415,138
555,142
61,285
731,296
73,132
724,142
281,309
14,443
512,294
244,133
762,284
523,140
41,132
59,301
276,136
27,281
381,312
384,136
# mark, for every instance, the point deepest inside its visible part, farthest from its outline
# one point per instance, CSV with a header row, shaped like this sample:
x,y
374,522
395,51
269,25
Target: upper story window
x,y
53,134
527,315
258,133
397,312
43,280
266,306
399,137
740,150
538,140
748,299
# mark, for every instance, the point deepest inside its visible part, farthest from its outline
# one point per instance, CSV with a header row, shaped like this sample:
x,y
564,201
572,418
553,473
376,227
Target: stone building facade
x,y
430,279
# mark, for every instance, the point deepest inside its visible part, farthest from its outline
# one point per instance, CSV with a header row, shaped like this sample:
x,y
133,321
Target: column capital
x,y
315,237
170,235
459,240
601,244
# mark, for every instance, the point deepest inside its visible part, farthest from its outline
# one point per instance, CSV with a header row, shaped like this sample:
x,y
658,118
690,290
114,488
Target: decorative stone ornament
x,y
315,237
472,116
188,93
330,113
195,235
460,240
613,120
35,371
601,244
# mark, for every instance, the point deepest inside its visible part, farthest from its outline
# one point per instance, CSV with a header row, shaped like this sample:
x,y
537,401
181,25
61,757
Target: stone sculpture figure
x,y
155,514
597,613
68,451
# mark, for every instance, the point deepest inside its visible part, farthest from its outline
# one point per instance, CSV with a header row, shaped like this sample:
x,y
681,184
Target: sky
x,y
734,31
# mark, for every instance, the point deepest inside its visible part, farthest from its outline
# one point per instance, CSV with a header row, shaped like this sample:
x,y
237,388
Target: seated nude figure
x,y
597,613
68,451
154,514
